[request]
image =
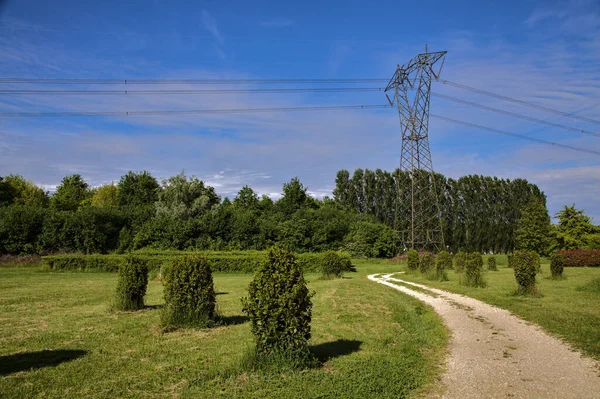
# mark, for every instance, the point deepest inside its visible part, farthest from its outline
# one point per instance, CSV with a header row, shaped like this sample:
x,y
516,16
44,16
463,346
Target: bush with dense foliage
x,y
557,262
473,276
332,265
525,265
131,285
279,307
581,257
460,261
491,261
510,260
189,293
412,259
443,263
426,263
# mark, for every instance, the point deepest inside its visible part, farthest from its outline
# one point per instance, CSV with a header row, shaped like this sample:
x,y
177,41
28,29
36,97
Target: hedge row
x,y
218,262
581,257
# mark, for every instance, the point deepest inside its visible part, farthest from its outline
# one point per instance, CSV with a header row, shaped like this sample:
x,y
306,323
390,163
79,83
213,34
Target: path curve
x,y
494,354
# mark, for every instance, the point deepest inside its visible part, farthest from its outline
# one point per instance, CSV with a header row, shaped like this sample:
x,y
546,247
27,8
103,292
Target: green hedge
x,y
245,262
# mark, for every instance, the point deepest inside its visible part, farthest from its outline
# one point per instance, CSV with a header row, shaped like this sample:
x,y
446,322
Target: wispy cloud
x,y
210,24
277,23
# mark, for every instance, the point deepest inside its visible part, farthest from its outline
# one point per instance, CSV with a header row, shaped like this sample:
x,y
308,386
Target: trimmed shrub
x,y
581,257
132,284
525,264
412,259
443,263
474,271
426,263
189,293
557,262
460,261
510,260
279,307
332,265
491,261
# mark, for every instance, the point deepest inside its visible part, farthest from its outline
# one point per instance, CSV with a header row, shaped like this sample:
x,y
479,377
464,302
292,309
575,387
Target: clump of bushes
x,y
473,271
510,260
332,265
131,285
525,265
443,263
460,261
189,293
557,262
412,259
581,257
426,263
279,307
491,261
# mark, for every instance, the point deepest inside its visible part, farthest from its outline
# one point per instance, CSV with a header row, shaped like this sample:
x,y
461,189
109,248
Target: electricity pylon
x,y
411,85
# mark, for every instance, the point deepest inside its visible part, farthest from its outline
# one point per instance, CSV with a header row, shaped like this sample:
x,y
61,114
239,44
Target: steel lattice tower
x,y
411,85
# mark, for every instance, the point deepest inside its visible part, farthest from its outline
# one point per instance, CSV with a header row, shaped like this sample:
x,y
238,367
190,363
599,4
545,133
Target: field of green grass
x,y
58,339
568,308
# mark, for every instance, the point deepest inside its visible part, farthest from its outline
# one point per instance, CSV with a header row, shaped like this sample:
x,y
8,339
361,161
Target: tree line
x,y
364,216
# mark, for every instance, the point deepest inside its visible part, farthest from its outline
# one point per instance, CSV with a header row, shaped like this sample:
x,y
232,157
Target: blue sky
x,y
539,51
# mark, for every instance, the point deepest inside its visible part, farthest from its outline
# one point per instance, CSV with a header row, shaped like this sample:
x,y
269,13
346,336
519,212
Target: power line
x,y
520,136
186,112
514,100
181,81
515,115
202,91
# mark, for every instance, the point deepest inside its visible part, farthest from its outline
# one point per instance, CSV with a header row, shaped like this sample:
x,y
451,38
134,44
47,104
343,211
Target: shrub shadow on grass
x,y
330,350
221,293
232,320
35,360
152,307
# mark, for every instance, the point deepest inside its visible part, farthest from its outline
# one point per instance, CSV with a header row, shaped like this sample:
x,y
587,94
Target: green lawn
x,y
569,308
59,340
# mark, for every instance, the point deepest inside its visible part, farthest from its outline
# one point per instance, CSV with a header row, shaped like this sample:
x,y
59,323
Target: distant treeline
x,y
479,214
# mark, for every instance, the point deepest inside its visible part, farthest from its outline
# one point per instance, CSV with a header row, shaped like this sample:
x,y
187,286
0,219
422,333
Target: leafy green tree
x,y
246,199
573,228
341,192
294,197
181,197
105,196
20,226
5,194
70,194
534,228
135,189
17,190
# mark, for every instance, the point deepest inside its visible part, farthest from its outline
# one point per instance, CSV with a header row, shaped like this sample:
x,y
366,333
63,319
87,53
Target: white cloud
x,y
210,24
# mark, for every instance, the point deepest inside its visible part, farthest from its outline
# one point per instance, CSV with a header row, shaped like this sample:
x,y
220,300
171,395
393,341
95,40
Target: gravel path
x,y
494,354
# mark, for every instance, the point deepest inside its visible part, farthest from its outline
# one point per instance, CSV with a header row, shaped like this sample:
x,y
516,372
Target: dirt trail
x,y
494,354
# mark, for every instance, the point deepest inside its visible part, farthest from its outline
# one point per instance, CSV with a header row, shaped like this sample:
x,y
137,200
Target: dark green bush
x,y
491,261
525,264
426,263
557,263
412,259
332,265
474,271
132,283
510,260
189,293
460,261
279,307
443,263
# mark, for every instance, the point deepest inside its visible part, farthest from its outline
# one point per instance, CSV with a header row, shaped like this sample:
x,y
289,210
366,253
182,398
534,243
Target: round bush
x,y
443,263
426,263
189,292
279,306
491,261
525,264
460,261
332,265
132,284
474,270
557,263
412,259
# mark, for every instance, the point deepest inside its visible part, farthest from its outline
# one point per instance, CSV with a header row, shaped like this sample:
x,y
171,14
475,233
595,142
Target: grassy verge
x,y
568,308
58,339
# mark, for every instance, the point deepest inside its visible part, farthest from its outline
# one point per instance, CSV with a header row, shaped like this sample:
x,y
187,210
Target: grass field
x,y
568,308
59,340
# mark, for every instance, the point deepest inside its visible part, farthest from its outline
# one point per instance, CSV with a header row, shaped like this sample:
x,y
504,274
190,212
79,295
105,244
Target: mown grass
x,y
568,308
58,339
